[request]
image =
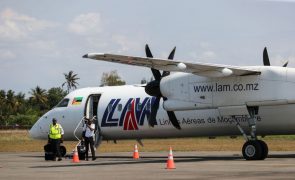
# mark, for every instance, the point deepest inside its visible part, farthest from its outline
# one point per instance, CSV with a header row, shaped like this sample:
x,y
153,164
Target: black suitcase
x,y
49,156
81,151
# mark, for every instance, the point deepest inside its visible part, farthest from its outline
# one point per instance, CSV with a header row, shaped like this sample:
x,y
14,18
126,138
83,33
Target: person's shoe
x,y
59,159
93,159
86,159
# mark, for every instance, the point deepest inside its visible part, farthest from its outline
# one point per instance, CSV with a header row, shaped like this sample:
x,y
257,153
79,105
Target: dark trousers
x,y
89,141
55,146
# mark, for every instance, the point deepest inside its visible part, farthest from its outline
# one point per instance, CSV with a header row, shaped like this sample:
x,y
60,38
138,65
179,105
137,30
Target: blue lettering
x,y
142,111
107,119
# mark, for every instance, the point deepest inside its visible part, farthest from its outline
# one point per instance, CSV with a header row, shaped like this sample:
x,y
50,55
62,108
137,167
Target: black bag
x,y
49,156
83,134
81,151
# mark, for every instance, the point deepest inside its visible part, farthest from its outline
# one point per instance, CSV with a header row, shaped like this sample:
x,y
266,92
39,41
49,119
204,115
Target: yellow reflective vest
x,y
55,131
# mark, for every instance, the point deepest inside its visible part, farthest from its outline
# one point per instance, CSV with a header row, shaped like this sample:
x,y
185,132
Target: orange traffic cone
x,y
75,156
170,161
135,153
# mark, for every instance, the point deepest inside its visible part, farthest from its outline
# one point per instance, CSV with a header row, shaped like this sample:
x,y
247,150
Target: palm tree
x,y
71,79
10,102
2,104
20,102
39,97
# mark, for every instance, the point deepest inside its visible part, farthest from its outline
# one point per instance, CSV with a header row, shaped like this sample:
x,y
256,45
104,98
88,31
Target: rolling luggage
x,y
81,150
49,156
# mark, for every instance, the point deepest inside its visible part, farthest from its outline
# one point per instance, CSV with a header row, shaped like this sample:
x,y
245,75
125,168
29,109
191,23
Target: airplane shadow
x,y
125,160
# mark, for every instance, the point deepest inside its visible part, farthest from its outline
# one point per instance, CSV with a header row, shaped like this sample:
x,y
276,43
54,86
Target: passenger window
x,y
119,107
63,103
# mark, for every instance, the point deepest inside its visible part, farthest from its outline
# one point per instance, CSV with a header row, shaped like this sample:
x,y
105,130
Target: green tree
x,y
71,81
39,98
111,79
10,102
2,105
20,103
55,95
27,118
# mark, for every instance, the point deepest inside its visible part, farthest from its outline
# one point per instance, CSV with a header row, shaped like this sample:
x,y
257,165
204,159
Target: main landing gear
x,y
253,149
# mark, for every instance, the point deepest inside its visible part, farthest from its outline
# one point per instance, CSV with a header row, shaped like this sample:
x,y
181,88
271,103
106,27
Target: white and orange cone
x,y
75,156
135,153
170,161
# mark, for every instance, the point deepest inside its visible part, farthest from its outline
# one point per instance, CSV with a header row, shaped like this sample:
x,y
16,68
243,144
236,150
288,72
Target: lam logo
x,y
131,117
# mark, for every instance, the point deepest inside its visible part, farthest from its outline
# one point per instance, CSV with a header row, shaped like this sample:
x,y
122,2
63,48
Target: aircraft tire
x,y
264,149
252,150
63,151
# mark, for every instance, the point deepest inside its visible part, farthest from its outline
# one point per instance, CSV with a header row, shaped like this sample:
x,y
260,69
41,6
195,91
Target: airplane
x,y
196,100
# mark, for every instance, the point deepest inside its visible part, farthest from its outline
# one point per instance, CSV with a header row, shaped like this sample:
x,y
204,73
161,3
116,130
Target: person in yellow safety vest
x,y
55,137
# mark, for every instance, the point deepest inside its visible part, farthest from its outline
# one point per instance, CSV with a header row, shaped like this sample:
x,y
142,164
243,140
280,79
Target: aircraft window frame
x,y
63,103
120,107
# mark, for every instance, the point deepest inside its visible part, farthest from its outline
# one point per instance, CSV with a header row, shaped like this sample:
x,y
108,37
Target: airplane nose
x,y
34,131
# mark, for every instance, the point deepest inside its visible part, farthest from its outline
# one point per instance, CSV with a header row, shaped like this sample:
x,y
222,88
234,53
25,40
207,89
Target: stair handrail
x,y
78,127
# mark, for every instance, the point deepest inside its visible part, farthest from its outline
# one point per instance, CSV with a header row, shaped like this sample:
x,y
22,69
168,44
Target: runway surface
x,y
189,165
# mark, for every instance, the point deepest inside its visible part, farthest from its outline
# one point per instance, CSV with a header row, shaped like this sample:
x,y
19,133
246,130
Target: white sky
x,y
41,40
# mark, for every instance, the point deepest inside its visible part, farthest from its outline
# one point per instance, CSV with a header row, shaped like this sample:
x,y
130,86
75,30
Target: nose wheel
x,y
255,150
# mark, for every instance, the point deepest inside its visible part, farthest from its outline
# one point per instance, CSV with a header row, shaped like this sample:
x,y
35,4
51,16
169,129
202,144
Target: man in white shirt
x,y
89,129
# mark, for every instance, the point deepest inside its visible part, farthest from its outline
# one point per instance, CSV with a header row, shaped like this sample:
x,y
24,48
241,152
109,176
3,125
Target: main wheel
x,y
264,149
252,150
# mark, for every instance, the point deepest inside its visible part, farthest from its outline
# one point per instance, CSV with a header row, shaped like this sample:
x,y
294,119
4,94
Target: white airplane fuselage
x,y
203,106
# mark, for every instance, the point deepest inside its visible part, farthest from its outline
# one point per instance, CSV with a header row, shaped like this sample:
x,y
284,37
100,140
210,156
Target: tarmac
x,y
151,165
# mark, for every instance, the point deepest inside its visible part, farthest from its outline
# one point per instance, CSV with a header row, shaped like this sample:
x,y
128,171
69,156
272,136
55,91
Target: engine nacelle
x,y
184,91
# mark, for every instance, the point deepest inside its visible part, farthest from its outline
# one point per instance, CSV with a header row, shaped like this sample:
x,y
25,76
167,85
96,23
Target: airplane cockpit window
x,y
63,103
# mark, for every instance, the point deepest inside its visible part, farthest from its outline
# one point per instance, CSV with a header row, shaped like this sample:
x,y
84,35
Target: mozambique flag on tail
x,y
77,101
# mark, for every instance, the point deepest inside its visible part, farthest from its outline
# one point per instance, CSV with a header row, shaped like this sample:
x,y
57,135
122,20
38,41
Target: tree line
x,y
16,109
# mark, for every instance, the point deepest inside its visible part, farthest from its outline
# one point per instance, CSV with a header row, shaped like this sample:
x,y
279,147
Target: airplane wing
x,y
202,69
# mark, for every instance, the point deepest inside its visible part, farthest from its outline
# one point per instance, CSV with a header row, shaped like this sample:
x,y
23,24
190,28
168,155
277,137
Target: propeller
x,y
153,89
265,58
266,61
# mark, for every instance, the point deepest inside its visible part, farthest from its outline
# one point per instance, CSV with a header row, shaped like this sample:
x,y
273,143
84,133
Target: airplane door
x,y
91,110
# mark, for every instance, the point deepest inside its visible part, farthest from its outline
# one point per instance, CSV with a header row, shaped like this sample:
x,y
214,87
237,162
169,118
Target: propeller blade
x,y
171,56
148,51
265,58
286,64
152,119
173,119
156,73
